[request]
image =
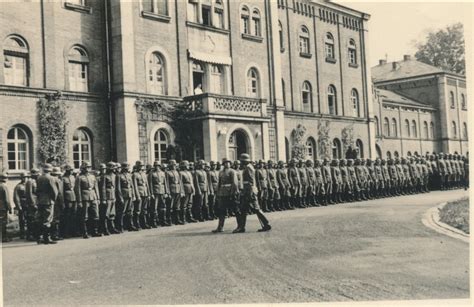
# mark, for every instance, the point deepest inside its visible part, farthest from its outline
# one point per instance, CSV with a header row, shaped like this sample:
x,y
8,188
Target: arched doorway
x,y
238,144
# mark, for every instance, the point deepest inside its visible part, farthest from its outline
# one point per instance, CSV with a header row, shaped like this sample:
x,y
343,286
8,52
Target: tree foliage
x,y
444,49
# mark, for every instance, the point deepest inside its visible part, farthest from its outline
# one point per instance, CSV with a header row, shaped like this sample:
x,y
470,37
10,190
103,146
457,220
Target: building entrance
x,y
238,144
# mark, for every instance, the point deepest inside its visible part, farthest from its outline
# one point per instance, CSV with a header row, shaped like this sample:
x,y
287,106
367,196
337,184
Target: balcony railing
x,y
227,105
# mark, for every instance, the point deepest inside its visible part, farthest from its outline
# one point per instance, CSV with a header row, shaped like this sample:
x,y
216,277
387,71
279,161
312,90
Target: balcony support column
x,y
209,134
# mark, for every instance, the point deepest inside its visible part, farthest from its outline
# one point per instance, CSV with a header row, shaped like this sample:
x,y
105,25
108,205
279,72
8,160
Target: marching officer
x,y
226,193
19,199
47,192
87,196
5,206
70,205
125,192
202,191
159,192
249,198
32,230
107,183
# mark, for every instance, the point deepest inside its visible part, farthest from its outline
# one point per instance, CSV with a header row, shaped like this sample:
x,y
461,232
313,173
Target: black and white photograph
x,y
256,152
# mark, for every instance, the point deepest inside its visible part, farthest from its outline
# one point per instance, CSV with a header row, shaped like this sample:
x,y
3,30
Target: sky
x,y
393,26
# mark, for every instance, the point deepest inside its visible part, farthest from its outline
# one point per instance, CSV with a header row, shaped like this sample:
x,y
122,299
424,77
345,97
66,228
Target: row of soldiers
x,y
119,198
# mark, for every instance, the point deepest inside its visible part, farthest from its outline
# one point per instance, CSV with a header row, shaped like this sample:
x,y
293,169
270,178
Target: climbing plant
x,y
298,151
52,129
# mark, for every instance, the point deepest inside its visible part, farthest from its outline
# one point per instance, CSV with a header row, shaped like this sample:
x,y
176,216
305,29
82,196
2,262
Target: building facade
x,y
154,79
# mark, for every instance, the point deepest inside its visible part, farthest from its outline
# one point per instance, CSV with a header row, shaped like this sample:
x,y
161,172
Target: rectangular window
x,y
206,15
330,51
78,77
193,12
246,24
15,70
159,7
304,45
219,18
352,56
256,24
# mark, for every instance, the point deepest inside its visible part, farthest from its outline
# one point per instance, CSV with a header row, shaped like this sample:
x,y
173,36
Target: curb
x,y
431,219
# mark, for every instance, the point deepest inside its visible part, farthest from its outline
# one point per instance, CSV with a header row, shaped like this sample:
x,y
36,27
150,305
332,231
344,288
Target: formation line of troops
x,y
62,203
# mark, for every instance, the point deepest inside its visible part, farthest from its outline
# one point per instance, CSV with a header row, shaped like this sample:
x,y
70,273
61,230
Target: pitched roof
x,y
404,69
389,96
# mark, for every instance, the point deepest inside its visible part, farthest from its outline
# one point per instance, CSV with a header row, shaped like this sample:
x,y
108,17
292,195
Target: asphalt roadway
x,y
374,250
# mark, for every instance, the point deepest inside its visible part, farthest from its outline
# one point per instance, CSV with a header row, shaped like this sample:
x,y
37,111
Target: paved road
x,y
375,250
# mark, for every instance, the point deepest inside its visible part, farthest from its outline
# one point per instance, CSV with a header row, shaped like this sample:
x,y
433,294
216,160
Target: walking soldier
x,y
47,192
227,190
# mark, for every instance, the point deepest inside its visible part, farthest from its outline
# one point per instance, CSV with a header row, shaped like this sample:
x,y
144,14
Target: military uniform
x,y
176,189
47,192
87,195
336,182
303,184
273,188
19,199
284,186
213,179
319,183
294,179
142,193
5,206
32,230
227,190
159,191
125,192
326,171
107,184
311,187
202,191
188,191
345,181
71,216
261,175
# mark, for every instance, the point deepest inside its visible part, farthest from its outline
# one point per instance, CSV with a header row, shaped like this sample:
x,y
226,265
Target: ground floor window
x,y
160,145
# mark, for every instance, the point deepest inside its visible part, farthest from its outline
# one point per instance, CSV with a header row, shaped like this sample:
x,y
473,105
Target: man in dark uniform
x,y
32,230
262,184
249,198
107,184
5,206
213,179
47,192
227,190
58,215
159,191
284,187
202,188
87,196
236,166
125,198
176,190
19,199
70,205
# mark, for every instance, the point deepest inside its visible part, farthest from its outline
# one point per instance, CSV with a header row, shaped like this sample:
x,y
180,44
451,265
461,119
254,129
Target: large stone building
x,y
152,79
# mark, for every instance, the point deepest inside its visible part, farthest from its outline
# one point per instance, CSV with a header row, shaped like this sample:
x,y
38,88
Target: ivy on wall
x,y
52,129
298,151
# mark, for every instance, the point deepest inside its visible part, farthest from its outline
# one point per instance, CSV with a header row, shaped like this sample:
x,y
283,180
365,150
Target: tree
x,y
444,49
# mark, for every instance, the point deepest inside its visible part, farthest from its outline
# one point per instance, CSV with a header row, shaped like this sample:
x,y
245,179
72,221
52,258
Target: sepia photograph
x,y
194,152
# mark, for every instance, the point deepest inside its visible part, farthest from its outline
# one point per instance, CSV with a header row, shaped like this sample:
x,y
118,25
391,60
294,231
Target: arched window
x,y
257,26
464,130
386,127
332,100
454,129
329,43
304,40
160,145
352,52
219,14
432,132
18,149
216,79
394,127
156,74
407,128
426,133
389,155
452,101
159,7
414,128
16,58
336,149
360,148
245,20
311,149
253,83
377,127
81,147
280,34
463,102
307,97
78,62
355,103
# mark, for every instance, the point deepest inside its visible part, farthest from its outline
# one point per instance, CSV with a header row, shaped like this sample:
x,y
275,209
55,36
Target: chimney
x,y
382,62
394,65
407,57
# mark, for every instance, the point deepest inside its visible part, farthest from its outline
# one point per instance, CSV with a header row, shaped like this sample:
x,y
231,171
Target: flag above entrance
x,y
210,58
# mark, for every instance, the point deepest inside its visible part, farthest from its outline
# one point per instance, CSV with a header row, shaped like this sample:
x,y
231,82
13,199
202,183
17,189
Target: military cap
x,y
47,167
206,164
441,154
102,166
281,162
184,163
270,162
212,163
326,159
125,164
56,171
293,160
172,162
118,165
24,175
68,167
261,161
34,171
156,163
86,164
309,162
225,160
110,165
139,163
237,162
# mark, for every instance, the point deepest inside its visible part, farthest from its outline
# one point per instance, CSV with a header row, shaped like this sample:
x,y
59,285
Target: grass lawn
x,y
456,214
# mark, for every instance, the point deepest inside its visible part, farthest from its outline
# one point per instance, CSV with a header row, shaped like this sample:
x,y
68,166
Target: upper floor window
x,y
257,26
304,40
307,97
77,2
454,129
414,129
332,100
78,62
253,83
206,14
329,43
159,7
352,52
464,130
355,103
81,147
452,101
432,132
280,35
219,14
156,74
386,127
377,128
15,66
245,20
18,149
394,127
426,133
216,79
463,102
407,128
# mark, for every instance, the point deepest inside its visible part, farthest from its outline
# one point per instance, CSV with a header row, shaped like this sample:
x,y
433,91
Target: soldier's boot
x,y
55,232
144,221
105,229
83,227
238,218
112,227
182,217
165,217
189,216
136,222
152,220
220,225
46,238
263,221
95,229
205,214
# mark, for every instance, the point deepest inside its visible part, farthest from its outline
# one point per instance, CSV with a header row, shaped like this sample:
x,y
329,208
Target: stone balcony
x,y
216,104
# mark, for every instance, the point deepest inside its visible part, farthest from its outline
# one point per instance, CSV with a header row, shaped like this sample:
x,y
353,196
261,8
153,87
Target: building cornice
x,y
419,77
296,114
20,91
